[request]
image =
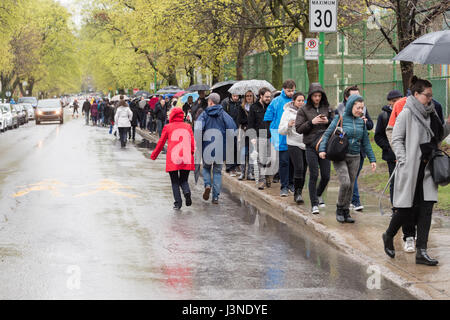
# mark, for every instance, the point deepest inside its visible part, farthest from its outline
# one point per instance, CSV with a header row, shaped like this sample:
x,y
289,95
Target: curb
x,y
298,216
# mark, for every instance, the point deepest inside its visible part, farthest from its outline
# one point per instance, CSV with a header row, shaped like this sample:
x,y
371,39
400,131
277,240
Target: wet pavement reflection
x,y
83,219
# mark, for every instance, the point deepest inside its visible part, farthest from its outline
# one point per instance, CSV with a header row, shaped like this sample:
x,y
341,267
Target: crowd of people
x,y
250,134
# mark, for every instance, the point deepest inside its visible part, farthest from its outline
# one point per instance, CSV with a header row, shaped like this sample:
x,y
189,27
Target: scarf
x,y
421,113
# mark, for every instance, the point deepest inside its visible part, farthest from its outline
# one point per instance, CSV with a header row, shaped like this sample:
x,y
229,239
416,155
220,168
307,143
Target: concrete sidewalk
x,y
360,241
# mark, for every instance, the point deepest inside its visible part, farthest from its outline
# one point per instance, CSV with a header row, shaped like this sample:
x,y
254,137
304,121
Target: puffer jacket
x,y
293,138
354,128
380,134
273,114
123,117
232,108
180,143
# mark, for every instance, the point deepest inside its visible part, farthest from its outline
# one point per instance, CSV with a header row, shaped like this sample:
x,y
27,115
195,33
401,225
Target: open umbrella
x,y
179,94
169,89
198,87
117,98
242,87
141,93
185,97
222,88
431,48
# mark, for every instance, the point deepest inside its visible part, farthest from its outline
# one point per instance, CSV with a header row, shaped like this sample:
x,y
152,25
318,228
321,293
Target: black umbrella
x,y
222,88
198,87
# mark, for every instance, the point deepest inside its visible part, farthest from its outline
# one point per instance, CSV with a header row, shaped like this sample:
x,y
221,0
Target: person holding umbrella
x,y
179,163
200,105
243,140
232,106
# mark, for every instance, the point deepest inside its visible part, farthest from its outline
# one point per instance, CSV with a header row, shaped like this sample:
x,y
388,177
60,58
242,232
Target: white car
x,y
7,115
3,126
30,111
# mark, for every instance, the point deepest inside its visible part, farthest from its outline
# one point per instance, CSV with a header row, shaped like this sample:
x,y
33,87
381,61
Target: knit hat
x,y
394,94
214,97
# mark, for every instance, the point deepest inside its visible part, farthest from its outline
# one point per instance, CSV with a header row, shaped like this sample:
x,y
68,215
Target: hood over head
x,y
176,115
350,102
214,111
314,88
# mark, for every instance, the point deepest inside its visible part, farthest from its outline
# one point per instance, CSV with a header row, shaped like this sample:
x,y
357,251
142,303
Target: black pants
x,y
314,162
298,160
391,167
132,133
232,164
418,215
179,179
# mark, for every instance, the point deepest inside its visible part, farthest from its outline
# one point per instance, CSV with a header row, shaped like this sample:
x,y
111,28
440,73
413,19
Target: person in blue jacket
x,y
212,121
273,114
354,127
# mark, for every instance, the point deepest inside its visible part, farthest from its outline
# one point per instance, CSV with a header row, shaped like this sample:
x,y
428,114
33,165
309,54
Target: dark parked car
x,y
49,110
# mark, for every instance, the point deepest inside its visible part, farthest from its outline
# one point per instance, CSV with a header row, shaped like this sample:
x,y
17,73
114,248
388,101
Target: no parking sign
x,y
311,49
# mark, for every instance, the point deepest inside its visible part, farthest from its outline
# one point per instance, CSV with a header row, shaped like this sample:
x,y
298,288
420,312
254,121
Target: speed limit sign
x,y
323,15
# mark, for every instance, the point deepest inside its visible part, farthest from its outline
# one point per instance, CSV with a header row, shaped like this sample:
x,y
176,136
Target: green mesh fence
x,y
358,56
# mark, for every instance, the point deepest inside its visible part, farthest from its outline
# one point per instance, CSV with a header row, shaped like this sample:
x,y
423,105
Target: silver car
x,y
30,111
49,110
3,125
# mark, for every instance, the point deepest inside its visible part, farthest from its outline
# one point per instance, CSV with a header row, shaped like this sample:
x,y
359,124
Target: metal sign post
x,y
322,18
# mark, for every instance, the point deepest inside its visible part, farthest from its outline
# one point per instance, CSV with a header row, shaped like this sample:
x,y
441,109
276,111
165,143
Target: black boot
x,y
340,214
348,218
298,196
422,257
187,196
388,245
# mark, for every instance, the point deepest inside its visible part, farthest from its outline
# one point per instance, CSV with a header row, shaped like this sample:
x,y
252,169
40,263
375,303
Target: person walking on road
x,y
134,121
355,129
94,113
143,109
261,143
312,121
215,122
180,155
75,108
86,110
296,147
416,134
159,115
273,115
123,118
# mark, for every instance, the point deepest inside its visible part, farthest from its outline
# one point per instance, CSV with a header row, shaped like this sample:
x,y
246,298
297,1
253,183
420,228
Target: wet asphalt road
x,y
82,219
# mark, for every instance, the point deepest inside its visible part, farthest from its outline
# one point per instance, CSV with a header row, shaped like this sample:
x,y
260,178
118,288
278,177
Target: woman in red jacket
x,y
180,154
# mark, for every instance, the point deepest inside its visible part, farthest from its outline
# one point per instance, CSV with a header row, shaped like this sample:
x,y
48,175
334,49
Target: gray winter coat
x,y
407,136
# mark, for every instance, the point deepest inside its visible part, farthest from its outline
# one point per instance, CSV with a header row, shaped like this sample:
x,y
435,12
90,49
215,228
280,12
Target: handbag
x,y
337,145
440,167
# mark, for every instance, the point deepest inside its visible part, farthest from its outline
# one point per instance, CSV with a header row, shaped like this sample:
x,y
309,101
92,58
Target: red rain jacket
x,y
181,143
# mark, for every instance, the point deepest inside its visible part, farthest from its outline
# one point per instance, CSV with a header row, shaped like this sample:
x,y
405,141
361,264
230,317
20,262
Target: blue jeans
x,y
284,168
159,126
217,178
356,199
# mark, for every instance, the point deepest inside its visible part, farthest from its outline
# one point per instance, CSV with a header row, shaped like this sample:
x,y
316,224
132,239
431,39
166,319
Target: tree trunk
x,y
407,74
405,37
277,71
172,77
216,71
240,66
312,67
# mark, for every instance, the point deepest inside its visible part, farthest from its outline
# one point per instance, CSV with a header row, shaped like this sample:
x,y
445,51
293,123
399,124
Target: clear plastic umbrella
x,y
242,87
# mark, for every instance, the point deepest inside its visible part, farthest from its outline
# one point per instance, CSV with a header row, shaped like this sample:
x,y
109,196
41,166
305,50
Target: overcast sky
x,y
73,8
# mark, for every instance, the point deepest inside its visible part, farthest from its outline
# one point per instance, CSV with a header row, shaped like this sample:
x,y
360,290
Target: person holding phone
x,y
312,121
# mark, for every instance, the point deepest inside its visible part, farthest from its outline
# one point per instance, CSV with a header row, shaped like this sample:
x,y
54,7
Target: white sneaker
x,y
315,210
321,203
410,245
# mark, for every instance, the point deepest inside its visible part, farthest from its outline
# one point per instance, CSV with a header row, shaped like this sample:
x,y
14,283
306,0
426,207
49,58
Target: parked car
x,y
7,116
15,116
49,110
21,114
3,126
30,111
31,100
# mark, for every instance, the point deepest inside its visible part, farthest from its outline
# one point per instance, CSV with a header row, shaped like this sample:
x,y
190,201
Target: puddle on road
x,y
294,261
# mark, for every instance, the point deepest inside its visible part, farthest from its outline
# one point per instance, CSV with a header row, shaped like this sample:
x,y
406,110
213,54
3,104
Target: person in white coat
x,y
123,118
296,147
